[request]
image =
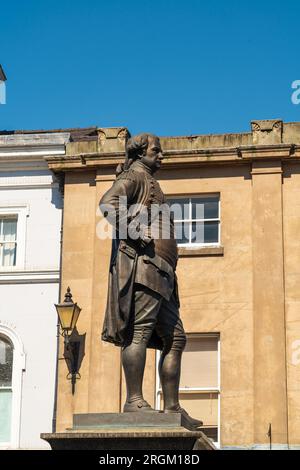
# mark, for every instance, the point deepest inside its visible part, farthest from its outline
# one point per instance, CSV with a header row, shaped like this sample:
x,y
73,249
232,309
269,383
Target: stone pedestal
x,y
128,431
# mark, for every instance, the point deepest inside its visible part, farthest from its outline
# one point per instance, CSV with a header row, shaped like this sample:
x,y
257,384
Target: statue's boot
x,y
186,420
137,405
169,370
133,360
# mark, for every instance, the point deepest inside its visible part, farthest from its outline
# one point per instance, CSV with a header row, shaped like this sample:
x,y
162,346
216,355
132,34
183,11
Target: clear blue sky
x,y
162,66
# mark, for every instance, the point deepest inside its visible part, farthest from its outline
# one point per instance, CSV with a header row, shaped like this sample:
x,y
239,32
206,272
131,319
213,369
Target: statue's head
x,y
147,149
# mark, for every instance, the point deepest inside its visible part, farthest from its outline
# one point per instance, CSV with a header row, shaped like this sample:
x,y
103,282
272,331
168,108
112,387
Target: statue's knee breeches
x,y
169,326
175,342
153,313
141,334
146,306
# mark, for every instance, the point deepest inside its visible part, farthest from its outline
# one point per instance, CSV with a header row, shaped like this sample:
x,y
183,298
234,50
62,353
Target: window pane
x,y
205,232
6,362
5,415
9,254
200,363
182,232
179,208
205,207
9,229
211,232
198,235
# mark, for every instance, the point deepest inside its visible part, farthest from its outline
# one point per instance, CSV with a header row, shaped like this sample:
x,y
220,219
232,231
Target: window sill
x,y
184,252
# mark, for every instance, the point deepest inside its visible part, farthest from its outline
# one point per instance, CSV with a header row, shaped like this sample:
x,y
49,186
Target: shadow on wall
x,y
74,353
57,193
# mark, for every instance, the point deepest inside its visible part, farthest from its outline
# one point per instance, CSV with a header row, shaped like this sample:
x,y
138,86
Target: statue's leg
x,y
169,373
145,308
170,328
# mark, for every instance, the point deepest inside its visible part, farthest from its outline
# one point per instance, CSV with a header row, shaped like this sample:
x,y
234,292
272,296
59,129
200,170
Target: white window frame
x,y
191,220
204,390
21,212
19,364
3,243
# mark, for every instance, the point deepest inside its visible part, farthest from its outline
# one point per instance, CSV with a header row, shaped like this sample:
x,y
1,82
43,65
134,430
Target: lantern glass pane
x,y
75,316
65,313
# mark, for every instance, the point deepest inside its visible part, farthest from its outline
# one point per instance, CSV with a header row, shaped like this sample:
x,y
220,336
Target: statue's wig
x,y
136,147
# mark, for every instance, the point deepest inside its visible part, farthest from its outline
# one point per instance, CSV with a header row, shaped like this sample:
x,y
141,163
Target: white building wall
x,y
28,310
28,291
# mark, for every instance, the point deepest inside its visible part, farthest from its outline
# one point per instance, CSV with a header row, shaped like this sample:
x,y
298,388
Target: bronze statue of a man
x,y
143,306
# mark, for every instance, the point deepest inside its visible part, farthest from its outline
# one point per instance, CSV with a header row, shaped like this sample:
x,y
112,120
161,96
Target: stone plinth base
x,y
128,431
130,439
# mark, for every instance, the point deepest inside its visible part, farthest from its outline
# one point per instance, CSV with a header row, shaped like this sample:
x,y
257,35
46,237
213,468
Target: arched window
x,y
6,399
12,365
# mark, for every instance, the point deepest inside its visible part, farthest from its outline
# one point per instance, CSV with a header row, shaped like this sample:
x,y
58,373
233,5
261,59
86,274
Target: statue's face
x,y
153,156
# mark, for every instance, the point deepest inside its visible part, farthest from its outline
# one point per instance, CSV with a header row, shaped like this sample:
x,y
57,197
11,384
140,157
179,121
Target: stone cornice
x,y
28,276
35,139
29,153
180,158
31,148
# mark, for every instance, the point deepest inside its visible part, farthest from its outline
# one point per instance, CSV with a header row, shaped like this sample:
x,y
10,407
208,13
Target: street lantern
x,y
68,313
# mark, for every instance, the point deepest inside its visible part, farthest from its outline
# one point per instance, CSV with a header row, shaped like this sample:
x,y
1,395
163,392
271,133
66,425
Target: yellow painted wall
x,y
249,295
